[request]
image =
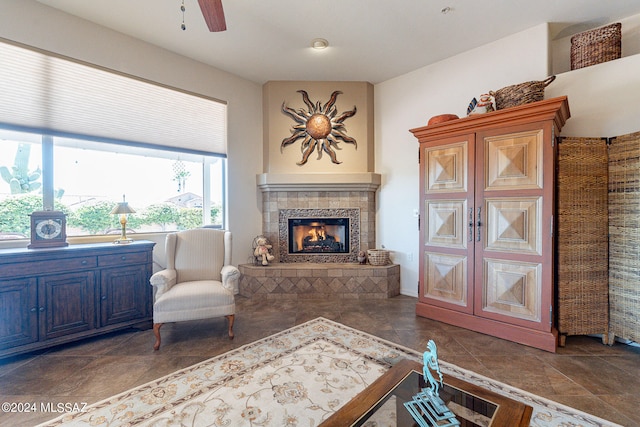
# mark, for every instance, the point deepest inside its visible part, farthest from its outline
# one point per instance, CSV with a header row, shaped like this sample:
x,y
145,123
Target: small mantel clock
x,y
48,229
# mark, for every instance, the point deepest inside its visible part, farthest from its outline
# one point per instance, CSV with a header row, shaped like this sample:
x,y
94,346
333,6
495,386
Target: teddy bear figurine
x,y
262,250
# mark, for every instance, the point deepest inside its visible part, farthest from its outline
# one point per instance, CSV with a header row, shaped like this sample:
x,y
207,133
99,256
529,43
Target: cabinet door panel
x,y
446,223
66,302
446,278
513,160
447,167
512,289
18,312
513,225
123,294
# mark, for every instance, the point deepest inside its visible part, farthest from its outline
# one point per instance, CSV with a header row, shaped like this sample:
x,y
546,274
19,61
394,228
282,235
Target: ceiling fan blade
x,y
213,14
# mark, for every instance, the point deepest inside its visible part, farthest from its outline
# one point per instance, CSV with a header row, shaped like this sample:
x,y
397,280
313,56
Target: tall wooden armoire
x,y
487,209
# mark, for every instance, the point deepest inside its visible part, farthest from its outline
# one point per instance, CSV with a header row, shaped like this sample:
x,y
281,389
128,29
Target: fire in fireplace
x,y
318,235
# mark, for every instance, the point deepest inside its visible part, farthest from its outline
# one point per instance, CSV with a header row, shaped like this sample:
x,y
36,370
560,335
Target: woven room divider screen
x,y
599,237
583,282
624,236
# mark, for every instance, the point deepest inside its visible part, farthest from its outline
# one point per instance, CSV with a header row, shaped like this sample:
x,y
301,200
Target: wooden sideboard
x,y
58,295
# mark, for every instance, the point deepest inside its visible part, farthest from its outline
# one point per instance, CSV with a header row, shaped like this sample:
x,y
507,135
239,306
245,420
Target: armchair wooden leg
x,y
156,332
231,319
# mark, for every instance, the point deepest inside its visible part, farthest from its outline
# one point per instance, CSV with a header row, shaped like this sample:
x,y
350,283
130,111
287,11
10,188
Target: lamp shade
x,y
122,208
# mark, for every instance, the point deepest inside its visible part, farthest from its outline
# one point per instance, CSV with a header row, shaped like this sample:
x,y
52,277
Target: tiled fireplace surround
x,y
319,276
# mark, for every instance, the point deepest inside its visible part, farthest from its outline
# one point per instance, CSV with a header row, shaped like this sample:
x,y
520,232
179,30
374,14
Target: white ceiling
x,y
370,40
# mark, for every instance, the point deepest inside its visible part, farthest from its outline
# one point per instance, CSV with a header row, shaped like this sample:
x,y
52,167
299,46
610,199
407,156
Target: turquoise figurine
x,y
426,407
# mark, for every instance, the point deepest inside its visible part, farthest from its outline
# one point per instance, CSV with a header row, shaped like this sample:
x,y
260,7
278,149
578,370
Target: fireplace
x,y
318,235
328,204
319,196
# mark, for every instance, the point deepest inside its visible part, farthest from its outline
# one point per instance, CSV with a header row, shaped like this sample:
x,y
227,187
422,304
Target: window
x,y
77,137
169,190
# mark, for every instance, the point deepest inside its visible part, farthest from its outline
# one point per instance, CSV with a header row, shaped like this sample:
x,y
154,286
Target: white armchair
x,y
199,281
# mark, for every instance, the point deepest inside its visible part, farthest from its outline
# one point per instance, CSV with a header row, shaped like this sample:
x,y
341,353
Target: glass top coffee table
x,y
383,402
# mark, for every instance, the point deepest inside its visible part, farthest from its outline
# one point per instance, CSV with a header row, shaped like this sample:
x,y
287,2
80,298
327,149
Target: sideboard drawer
x,y
121,259
48,266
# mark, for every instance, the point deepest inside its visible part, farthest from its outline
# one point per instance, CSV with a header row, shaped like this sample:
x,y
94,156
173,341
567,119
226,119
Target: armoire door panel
x,y
446,279
447,168
512,160
511,289
513,225
447,223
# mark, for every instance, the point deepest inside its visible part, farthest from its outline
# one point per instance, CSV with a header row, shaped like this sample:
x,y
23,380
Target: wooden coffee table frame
x,y
509,412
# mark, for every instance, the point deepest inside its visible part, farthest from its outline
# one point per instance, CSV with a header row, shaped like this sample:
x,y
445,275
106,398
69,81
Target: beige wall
x,y
278,126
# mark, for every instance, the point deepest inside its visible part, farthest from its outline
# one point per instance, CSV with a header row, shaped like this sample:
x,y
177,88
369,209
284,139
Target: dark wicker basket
x,y
596,46
523,93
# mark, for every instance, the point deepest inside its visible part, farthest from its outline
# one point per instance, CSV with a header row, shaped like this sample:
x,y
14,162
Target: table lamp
x,y
123,209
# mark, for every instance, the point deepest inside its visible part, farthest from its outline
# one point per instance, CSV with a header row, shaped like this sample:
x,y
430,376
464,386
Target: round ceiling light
x,y
319,43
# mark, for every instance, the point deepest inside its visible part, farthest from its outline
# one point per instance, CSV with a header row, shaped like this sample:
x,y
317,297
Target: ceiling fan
x,y
213,14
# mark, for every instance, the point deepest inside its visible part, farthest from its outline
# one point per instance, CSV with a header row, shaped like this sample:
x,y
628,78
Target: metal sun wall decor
x,y
319,127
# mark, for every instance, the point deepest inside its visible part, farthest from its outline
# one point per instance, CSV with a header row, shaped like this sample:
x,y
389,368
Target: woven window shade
x,y
42,92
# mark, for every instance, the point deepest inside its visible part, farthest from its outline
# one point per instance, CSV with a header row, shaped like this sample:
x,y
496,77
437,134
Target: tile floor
x,y
585,374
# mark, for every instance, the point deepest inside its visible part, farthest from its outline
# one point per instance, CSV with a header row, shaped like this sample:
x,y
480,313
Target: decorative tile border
x,y
353,232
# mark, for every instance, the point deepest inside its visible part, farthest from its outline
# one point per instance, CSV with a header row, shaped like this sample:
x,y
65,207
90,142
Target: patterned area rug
x,y
297,377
